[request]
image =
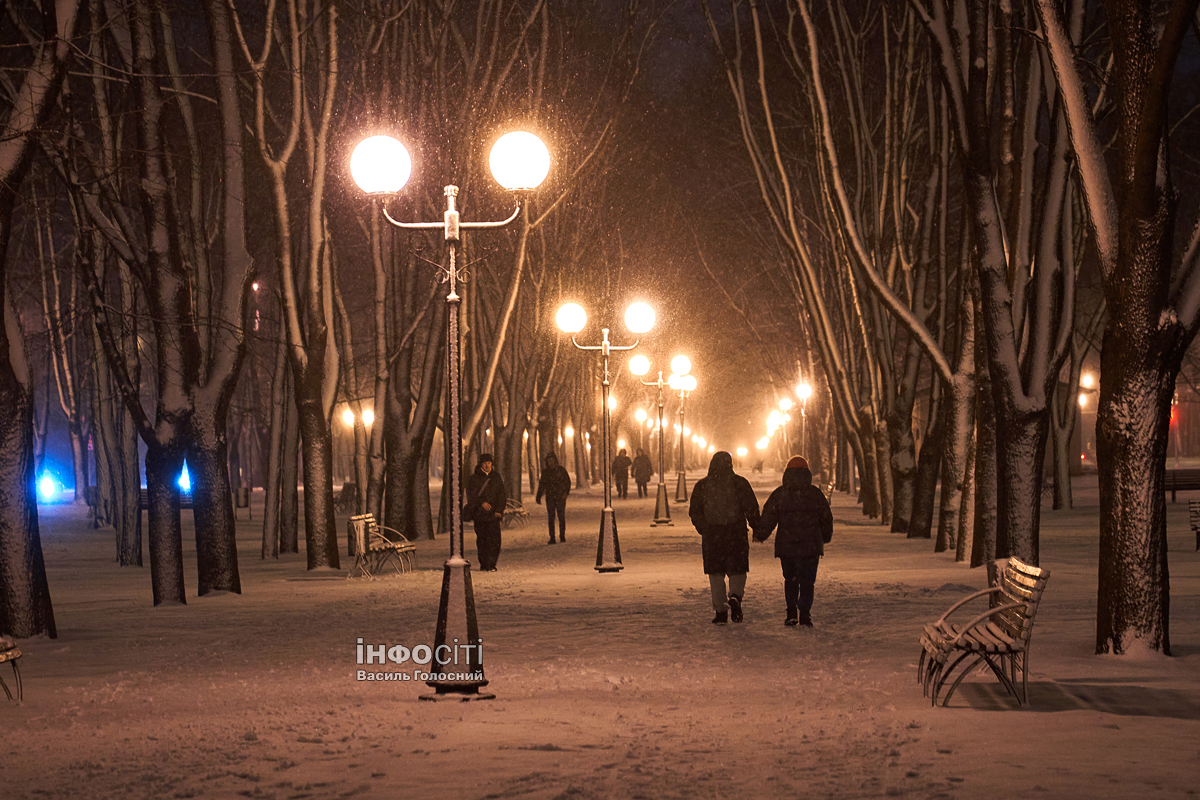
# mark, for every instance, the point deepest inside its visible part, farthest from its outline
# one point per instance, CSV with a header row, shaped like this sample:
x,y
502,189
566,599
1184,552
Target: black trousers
x,y
799,576
487,542
557,507
622,486
642,490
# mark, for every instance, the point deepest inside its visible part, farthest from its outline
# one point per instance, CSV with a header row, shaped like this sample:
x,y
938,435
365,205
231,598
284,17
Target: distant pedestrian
x,y
620,468
642,470
805,527
722,504
555,485
486,497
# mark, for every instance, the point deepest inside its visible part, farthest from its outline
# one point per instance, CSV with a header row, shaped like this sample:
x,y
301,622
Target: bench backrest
x,y
1020,583
360,526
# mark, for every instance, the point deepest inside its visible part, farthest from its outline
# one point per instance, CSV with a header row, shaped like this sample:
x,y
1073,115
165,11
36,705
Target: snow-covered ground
x,y
612,685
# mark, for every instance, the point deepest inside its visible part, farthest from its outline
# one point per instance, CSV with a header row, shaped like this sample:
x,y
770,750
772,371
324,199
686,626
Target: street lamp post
x,y
639,366
639,318
381,167
803,391
683,383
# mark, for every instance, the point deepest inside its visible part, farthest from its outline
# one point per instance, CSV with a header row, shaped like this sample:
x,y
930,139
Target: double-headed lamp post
x,y
639,366
685,384
381,166
639,318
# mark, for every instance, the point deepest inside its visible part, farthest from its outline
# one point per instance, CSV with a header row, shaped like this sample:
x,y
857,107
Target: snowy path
x,y
607,685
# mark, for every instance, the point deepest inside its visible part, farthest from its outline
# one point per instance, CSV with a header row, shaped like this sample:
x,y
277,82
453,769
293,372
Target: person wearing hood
x,y
555,485
620,471
642,470
486,497
805,527
722,504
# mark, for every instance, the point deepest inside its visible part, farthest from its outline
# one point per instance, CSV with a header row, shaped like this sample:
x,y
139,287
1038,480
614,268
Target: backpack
x,y
720,502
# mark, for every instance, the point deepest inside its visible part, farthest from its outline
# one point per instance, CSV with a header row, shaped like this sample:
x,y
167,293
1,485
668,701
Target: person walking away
x,y
805,527
620,468
722,504
486,497
554,485
642,470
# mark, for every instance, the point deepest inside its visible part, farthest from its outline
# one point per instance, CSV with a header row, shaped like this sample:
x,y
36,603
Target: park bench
x,y
997,637
374,551
10,652
1181,480
514,514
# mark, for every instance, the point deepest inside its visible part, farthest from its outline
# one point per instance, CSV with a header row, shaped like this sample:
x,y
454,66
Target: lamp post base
x,y
457,664
681,493
608,550
662,508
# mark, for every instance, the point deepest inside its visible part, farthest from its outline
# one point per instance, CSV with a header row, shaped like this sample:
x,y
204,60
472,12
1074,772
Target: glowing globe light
x,y
571,318
639,365
369,416
612,403
621,444
1083,401
762,443
673,381
519,160
688,383
785,404
47,487
700,441
681,365
713,448
741,451
803,391
687,431
1087,380
568,431
640,415
348,418
774,419
185,479
380,165
639,318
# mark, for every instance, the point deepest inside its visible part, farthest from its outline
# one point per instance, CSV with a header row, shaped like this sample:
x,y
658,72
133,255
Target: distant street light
x,y
804,391
685,385
639,366
639,318
381,166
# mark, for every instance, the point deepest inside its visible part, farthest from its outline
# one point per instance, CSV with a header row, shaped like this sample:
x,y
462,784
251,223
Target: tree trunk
x,y
320,531
163,466
25,607
958,402
929,462
212,502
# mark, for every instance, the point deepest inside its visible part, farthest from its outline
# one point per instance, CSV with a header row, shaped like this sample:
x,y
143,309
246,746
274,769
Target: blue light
x,y
47,487
185,480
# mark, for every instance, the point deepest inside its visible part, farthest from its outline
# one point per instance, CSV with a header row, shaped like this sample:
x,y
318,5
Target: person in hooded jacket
x,y
620,471
555,484
722,504
485,500
805,527
642,470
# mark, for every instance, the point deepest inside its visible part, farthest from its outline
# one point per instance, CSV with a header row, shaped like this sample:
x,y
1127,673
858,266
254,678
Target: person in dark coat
x,y
722,504
620,468
642,470
486,497
555,485
805,527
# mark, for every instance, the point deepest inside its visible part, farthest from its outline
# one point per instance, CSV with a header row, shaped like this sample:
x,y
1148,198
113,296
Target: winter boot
x,y
721,618
792,618
735,608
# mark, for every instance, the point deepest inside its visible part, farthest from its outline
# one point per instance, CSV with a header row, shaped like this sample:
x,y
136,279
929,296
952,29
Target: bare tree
x,y
25,607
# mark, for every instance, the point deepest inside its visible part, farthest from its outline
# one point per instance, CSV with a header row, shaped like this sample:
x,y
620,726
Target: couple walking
x,y
722,505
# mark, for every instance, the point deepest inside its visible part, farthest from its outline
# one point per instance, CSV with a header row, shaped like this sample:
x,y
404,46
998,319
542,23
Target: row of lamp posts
x,y
381,166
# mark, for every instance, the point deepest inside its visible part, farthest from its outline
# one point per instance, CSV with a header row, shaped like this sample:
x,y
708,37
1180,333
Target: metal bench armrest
x,y
967,599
